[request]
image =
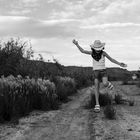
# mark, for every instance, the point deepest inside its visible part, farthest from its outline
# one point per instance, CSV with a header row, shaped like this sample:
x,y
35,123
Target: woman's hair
x,y
95,55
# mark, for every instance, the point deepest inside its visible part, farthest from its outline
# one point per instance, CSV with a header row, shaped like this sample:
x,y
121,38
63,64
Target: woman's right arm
x,y
81,49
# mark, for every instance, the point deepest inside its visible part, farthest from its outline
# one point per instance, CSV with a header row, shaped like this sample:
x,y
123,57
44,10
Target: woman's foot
x,y
97,108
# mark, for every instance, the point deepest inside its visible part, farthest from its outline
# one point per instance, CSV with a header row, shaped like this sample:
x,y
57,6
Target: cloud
x,y
70,9
19,12
8,19
45,52
110,25
30,3
61,14
58,21
18,7
105,12
30,27
122,10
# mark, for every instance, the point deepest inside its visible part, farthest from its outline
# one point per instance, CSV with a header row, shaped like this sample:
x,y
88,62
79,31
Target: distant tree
x,y
17,57
41,57
11,52
59,67
29,53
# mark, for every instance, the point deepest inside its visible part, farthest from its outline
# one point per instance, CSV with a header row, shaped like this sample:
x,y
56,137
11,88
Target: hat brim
x,y
98,48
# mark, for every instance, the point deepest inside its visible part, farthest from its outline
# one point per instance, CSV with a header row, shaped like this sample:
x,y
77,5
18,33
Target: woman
x,y
99,68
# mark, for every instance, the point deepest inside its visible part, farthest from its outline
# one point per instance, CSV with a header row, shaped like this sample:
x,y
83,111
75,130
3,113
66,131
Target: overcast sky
x,y
51,25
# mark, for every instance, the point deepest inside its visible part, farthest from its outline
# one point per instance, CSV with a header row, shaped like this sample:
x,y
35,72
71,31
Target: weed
x,y
104,99
131,102
118,99
110,112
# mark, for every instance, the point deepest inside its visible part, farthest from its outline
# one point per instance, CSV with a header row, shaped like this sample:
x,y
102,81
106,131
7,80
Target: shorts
x,y
99,74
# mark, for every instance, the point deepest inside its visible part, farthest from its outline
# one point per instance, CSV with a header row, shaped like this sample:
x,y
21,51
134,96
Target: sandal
x,y
97,108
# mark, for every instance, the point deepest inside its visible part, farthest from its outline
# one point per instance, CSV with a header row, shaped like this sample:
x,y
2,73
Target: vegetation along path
x,y
71,122
74,122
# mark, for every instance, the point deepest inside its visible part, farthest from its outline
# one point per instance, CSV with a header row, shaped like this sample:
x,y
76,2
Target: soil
x,y
74,122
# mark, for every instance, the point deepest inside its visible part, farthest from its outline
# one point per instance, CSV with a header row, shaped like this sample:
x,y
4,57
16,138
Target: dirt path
x,y
74,122
71,122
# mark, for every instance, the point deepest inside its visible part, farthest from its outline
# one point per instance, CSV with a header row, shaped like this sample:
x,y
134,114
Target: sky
x,y
51,25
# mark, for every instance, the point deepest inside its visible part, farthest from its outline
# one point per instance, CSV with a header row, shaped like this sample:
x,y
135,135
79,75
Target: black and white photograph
x,y
69,70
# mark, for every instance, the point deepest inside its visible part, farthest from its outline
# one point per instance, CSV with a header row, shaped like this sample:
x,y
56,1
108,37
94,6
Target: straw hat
x,y
97,45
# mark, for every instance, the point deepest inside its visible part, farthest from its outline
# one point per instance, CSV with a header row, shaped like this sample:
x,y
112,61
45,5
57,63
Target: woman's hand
x,y
75,42
123,65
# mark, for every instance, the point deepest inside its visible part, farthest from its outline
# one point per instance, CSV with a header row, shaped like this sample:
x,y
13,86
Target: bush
x,y
125,82
65,86
110,112
104,99
131,102
118,99
20,96
138,84
83,77
125,79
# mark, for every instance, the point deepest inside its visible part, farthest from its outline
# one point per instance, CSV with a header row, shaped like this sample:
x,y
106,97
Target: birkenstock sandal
x,y
97,108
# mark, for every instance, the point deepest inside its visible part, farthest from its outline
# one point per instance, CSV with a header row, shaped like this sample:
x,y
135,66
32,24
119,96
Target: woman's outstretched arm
x,y
81,49
114,61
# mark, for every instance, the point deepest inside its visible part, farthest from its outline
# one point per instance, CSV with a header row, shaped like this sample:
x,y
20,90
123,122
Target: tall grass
x,y
83,77
65,86
19,96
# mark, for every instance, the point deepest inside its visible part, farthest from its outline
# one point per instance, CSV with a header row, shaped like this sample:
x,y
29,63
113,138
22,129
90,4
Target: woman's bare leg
x,y
109,86
97,84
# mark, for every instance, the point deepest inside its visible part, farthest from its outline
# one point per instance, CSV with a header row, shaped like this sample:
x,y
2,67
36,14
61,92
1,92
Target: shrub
x,y
131,102
118,99
20,96
125,82
65,86
104,99
91,103
138,84
110,112
83,77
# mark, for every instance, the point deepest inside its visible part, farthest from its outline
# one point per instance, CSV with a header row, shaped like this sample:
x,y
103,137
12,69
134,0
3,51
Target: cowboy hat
x,y
97,45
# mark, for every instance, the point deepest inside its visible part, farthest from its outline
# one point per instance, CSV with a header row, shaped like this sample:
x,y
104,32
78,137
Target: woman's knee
x,y
108,84
105,83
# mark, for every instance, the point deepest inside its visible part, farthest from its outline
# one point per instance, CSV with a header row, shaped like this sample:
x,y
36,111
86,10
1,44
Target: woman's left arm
x,y
113,60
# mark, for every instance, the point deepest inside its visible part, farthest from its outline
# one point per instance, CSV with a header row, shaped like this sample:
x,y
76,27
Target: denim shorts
x,y
99,74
